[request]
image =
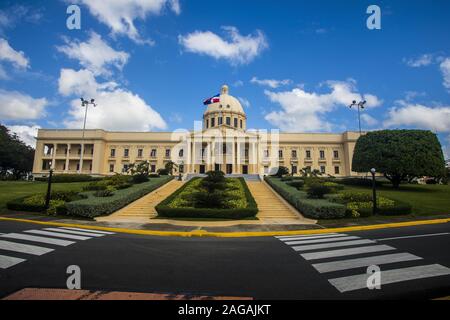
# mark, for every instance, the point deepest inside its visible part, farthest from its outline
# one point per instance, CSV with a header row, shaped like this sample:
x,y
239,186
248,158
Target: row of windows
x,y
152,168
307,154
294,169
140,153
227,122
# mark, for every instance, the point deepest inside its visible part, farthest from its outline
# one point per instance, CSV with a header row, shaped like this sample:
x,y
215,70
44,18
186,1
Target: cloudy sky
x,y
295,65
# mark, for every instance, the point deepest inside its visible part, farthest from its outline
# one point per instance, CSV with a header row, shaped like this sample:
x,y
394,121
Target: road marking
x,y
6,262
290,243
332,245
311,237
300,235
416,236
75,232
57,242
24,248
359,281
87,230
345,252
58,234
364,262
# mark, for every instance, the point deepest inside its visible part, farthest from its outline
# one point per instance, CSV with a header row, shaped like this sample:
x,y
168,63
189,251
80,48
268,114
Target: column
x,y
238,162
55,146
67,158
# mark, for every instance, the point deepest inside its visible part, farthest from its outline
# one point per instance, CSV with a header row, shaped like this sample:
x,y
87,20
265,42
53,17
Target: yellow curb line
x,y
204,233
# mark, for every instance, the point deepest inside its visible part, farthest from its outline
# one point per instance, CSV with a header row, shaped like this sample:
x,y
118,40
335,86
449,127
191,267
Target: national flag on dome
x,y
214,99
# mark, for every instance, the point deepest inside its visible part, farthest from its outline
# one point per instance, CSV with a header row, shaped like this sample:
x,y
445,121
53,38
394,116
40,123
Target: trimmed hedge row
x,y
363,182
164,210
311,208
66,178
19,205
400,208
97,206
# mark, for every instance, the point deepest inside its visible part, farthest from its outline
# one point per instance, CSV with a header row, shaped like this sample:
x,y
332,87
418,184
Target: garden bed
x,y
192,200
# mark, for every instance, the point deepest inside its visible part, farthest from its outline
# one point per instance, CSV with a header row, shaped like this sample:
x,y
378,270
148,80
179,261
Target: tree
x,y
282,171
306,172
16,157
399,154
169,166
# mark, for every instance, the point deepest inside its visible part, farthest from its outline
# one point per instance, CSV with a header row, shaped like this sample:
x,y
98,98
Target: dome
x,y
227,103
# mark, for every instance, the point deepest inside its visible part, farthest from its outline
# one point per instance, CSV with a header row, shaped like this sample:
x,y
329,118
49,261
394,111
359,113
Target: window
x,y
203,153
152,168
308,154
336,154
246,153
153,153
280,154
207,123
167,153
78,166
228,121
125,167
140,152
113,152
126,152
322,154
213,122
181,168
266,153
294,154
181,153
224,148
235,122
111,167
336,170
241,124
322,169
294,169
219,120
90,167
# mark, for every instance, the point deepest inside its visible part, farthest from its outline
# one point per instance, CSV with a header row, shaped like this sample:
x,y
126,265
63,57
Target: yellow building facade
x,y
220,142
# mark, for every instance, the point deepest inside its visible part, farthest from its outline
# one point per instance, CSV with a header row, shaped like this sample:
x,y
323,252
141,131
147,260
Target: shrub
x,y
287,178
298,184
334,186
123,186
139,178
66,178
65,196
318,190
103,193
117,179
399,208
281,171
94,186
153,175
352,196
163,172
363,182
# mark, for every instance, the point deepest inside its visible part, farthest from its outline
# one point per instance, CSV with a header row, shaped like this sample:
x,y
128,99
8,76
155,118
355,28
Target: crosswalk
x,y
332,253
37,242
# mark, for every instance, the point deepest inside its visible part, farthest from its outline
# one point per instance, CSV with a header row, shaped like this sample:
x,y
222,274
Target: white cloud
x,y
19,106
304,111
244,102
17,58
95,54
420,61
369,120
272,83
117,108
445,69
419,116
235,48
120,15
26,133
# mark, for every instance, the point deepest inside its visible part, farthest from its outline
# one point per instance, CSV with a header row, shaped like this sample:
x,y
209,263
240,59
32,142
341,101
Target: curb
x,y
204,233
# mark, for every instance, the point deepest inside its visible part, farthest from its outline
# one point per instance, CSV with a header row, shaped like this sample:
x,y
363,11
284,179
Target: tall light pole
x,y
359,105
85,104
373,171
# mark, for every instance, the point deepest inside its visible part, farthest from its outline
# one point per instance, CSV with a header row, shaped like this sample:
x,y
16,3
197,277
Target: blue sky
x,y
295,65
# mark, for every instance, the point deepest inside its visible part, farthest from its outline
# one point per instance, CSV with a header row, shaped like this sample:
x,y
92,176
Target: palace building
x,y
221,142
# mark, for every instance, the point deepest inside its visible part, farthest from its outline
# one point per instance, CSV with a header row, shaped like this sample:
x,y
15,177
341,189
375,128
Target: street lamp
x,y
85,104
373,171
49,189
359,105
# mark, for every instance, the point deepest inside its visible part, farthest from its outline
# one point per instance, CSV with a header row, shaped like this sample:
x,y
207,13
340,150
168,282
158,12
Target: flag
x,y
214,99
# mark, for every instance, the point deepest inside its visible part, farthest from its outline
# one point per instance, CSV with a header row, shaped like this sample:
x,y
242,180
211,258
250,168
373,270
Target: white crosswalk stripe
x,y
50,236
89,234
88,230
339,258
58,235
359,281
291,243
364,262
57,242
6,261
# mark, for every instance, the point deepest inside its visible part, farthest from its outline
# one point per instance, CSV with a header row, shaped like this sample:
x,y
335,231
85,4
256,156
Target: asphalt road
x,y
414,263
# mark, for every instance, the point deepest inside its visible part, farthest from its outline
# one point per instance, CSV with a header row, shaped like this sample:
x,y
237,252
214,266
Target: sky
x,y
294,65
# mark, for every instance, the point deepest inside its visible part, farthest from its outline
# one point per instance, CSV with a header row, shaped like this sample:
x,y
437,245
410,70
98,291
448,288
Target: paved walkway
x,y
143,209
273,209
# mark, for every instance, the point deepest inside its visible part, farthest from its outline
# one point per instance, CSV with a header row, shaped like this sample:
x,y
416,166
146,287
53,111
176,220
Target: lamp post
x,y
49,189
374,191
359,105
84,103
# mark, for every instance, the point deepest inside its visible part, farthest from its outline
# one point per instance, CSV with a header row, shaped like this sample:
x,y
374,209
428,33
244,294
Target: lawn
x,y
426,200
10,190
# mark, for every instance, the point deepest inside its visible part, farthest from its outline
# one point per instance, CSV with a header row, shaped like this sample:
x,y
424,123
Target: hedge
x,y
363,182
19,205
94,206
400,208
311,208
61,178
251,210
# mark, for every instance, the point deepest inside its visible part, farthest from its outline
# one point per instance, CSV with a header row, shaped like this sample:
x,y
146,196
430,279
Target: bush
x,y
352,196
117,179
298,184
123,186
103,193
94,186
35,203
153,175
287,178
400,208
311,208
96,206
281,172
362,182
334,186
65,196
140,178
66,178
318,190
163,172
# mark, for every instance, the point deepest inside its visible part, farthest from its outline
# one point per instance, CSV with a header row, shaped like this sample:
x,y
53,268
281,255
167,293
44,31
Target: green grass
x,y
10,190
425,199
